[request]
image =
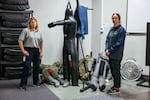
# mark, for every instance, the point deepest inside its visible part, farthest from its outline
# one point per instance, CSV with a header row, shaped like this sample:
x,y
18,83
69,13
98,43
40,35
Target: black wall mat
x,y
148,45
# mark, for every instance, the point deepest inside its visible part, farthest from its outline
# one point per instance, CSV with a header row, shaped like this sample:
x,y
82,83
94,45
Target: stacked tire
x,y
14,15
18,5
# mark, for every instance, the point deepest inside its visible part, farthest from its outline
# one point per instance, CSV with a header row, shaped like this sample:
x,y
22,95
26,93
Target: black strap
x,y
77,3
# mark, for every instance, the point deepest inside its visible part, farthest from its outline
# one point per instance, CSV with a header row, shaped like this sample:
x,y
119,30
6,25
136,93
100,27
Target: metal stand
x,y
141,83
87,87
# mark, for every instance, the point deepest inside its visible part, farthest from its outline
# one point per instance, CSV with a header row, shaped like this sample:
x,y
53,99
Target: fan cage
x,y
131,70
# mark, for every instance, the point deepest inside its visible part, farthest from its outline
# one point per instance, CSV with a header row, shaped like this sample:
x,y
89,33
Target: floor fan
x,y
131,70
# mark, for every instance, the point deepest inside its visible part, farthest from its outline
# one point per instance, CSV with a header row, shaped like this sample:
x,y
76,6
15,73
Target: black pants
x,y
115,70
33,57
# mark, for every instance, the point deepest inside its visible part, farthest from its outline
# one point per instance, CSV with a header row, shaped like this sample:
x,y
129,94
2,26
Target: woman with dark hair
x,y
31,44
114,48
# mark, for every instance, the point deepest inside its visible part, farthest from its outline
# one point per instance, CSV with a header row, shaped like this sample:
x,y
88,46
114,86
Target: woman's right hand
x,y
107,52
26,53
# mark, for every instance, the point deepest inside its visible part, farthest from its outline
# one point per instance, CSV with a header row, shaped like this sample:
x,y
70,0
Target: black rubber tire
x,y
13,52
14,24
10,41
16,18
14,64
14,75
14,7
12,58
13,69
15,2
11,35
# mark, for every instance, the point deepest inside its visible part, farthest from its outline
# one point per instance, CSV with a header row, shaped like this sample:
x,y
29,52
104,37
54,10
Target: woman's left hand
x,y
41,55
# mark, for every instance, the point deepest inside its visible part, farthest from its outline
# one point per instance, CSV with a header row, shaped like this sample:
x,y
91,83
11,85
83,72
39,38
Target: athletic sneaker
x,y
22,88
113,90
36,85
66,83
56,83
61,81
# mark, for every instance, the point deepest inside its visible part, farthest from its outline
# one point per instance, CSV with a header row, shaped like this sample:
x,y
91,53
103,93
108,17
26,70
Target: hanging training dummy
x,y
70,55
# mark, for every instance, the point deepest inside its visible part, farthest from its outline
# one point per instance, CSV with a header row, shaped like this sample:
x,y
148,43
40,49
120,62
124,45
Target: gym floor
x,y
129,91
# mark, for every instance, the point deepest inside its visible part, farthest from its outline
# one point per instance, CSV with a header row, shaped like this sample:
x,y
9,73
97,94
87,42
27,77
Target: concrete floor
x,y
129,91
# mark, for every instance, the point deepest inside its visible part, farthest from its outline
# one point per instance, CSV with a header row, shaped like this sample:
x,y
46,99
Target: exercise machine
x,y
99,75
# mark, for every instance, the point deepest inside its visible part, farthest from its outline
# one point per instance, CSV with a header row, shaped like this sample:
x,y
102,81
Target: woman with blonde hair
x,y
31,44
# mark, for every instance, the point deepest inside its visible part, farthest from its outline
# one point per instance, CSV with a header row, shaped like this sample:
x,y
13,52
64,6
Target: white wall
x,y
109,7
96,24
139,16
102,21
135,45
47,11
